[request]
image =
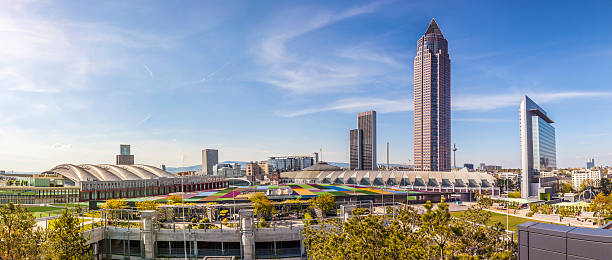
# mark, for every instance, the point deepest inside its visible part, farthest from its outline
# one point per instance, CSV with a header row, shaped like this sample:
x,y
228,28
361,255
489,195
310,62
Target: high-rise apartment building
x,y
210,157
432,98
362,142
538,151
125,157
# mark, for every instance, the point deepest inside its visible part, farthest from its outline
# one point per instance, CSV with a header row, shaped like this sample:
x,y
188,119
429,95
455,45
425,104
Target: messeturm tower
x,y
432,102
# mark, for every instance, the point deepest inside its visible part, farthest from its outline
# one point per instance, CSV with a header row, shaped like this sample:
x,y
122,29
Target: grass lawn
x,y
497,217
40,208
43,211
72,205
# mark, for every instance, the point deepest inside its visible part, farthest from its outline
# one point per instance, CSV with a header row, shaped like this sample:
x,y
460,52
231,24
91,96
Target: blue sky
x,y
262,78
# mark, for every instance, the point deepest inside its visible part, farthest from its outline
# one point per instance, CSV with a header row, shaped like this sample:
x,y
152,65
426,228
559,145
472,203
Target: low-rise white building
x,y
545,174
581,175
508,175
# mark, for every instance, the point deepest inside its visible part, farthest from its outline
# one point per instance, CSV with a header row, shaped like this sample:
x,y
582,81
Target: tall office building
x,y
210,157
362,147
355,149
432,102
590,163
125,157
538,152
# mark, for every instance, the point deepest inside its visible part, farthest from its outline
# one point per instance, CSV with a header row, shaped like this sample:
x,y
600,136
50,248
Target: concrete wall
x,y
247,236
549,241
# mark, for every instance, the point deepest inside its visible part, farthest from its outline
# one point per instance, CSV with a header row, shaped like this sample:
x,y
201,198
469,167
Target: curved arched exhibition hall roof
x,y
108,172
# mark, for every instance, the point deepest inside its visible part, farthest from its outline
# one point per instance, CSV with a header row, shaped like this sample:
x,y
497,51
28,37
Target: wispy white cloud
x,y
60,146
212,74
325,73
467,103
47,54
148,70
273,48
52,60
350,105
366,52
482,120
147,118
490,102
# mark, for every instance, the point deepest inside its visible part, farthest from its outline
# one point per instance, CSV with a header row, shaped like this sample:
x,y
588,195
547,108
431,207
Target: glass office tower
x,y
538,149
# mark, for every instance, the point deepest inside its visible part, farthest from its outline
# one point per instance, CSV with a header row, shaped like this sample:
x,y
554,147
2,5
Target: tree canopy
x,y
65,239
175,199
602,206
325,203
115,204
262,206
146,205
606,186
19,236
431,235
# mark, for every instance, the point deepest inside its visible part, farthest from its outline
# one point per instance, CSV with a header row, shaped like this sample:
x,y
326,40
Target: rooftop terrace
x,y
287,191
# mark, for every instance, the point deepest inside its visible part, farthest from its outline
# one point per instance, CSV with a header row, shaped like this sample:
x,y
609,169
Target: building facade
x,y
210,157
355,149
228,170
538,149
125,157
254,171
264,166
290,163
432,98
362,143
583,175
68,183
590,163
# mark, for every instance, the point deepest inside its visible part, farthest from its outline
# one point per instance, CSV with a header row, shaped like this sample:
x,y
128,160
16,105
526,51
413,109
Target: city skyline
x,y
78,79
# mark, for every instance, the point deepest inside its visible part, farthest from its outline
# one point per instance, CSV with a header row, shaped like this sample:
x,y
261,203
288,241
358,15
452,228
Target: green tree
x,y
602,207
484,201
565,188
262,206
586,184
410,235
325,203
175,199
564,212
437,224
476,215
516,194
65,238
606,186
19,236
146,205
115,204
112,206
